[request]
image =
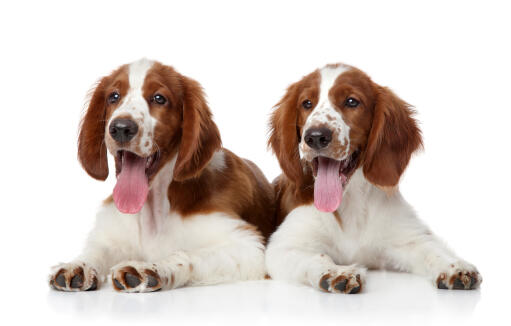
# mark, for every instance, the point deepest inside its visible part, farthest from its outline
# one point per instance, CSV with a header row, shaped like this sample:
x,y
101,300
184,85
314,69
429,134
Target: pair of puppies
x,y
186,211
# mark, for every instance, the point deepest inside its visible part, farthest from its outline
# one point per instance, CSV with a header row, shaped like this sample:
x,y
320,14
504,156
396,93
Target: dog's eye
x,y
160,99
113,97
307,104
351,102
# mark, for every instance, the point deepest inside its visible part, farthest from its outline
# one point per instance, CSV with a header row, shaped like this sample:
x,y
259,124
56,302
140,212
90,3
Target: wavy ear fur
x,y
394,136
200,137
91,144
285,136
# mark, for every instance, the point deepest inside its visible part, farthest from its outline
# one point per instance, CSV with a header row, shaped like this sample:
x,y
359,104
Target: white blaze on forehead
x,y
325,114
137,72
328,77
135,106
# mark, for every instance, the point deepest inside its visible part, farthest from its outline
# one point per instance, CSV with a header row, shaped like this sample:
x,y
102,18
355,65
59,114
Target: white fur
x,y
325,113
134,106
377,230
196,250
192,250
217,162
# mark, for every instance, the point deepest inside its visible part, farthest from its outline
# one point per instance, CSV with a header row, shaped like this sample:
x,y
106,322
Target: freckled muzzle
x,y
134,166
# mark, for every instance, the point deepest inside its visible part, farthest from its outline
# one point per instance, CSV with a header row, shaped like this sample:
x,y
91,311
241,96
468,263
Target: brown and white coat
x,y
185,211
343,143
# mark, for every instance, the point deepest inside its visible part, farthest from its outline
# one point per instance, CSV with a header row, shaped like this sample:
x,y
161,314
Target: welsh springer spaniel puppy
x,y
184,210
343,142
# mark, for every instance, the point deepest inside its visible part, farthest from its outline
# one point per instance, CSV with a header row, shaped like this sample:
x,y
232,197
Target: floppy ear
x,y
200,137
285,135
91,143
394,136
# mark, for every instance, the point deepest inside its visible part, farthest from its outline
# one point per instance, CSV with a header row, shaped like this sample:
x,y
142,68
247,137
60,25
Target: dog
x,y
184,210
343,142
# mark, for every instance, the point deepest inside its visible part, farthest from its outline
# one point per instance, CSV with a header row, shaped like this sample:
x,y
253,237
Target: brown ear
x,y
200,137
285,135
394,136
91,143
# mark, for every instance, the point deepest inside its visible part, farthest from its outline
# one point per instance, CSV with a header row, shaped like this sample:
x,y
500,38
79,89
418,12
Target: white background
x,y
450,60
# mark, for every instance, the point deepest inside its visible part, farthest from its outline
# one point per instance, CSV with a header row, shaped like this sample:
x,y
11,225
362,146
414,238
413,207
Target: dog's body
x,y
185,211
343,143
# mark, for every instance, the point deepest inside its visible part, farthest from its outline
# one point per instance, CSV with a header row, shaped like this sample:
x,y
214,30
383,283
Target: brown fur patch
x,y
186,129
240,193
91,141
382,127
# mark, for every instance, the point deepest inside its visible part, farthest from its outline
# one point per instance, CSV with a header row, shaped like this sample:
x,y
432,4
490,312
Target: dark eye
x,y
160,99
307,104
113,97
351,102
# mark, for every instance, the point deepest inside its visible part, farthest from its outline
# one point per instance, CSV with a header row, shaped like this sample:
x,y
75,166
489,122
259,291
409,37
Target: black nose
x,y
123,130
318,138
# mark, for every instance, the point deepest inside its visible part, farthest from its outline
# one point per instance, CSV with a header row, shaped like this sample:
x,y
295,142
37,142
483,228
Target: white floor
x,y
388,298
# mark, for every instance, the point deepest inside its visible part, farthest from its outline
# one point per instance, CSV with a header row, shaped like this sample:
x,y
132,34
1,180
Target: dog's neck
x,y
157,206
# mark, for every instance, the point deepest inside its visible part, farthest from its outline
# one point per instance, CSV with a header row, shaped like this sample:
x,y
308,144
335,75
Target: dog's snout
x,y
318,138
123,130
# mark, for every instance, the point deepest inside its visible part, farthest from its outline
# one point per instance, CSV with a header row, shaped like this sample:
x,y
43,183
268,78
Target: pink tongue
x,y
131,190
328,186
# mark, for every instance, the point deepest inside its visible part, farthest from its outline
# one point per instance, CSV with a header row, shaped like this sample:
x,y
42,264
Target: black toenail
x,y
118,285
341,286
442,286
458,284
473,282
94,286
151,281
61,280
76,282
355,290
324,283
131,280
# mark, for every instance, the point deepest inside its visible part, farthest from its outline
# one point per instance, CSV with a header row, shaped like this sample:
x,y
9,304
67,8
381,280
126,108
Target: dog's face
x,y
336,120
146,114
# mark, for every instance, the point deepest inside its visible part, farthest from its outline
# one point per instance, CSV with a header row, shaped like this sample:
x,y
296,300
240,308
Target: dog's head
x,y
337,119
146,114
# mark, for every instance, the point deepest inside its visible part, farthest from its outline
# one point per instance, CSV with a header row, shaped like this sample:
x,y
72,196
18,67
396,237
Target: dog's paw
x,y
74,277
136,277
459,276
342,281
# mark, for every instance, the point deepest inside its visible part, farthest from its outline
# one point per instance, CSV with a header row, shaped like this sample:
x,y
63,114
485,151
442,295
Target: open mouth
x,y
133,173
346,166
331,176
151,162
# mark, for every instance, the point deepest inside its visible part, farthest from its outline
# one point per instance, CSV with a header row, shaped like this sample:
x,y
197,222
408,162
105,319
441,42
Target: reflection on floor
x,y
388,297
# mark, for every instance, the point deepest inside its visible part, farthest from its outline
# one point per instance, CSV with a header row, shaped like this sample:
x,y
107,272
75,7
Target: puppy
x,y
184,210
343,142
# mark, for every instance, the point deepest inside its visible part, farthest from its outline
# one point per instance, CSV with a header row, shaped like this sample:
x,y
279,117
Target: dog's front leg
x,y
411,246
215,248
110,241
303,250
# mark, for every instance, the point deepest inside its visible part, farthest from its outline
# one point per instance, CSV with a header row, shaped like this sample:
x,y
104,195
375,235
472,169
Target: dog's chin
x,y
347,166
